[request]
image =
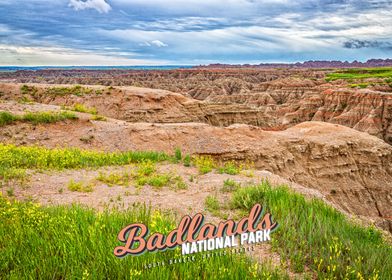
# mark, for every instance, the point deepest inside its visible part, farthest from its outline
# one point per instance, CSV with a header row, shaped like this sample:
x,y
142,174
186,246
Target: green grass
x,y
35,118
360,73
77,243
313,234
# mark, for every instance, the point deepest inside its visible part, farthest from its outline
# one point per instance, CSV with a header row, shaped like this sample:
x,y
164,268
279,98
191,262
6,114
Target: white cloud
x,y
155,43
99,5
47,56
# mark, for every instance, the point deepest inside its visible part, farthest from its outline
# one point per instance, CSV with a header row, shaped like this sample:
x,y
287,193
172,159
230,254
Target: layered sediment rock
x,y
352,169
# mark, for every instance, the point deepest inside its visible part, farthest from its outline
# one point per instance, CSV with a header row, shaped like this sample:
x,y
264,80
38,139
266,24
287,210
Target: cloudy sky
x,y
159,32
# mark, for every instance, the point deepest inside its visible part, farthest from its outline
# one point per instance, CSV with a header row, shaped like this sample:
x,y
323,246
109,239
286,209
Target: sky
x,y
190,32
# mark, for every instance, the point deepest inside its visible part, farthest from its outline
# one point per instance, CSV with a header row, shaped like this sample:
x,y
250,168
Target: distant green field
x,y
361,73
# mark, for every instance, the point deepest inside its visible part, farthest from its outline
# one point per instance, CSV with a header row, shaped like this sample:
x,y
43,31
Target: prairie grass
x,y
315,235
35,118
74,242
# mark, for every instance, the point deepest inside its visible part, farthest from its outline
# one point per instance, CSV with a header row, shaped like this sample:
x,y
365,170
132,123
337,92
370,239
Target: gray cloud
x,y
360,44
99,5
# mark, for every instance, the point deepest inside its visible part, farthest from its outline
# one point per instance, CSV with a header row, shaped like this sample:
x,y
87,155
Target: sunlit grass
x,y
315,235
77,243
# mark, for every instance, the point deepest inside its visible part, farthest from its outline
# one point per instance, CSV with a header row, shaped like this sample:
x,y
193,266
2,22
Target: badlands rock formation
x,y
352,169
272,99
